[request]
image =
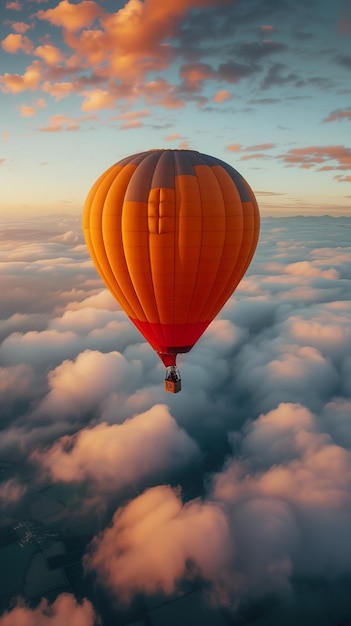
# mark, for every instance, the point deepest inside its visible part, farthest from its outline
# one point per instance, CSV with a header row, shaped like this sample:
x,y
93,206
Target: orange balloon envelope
x,y
171,233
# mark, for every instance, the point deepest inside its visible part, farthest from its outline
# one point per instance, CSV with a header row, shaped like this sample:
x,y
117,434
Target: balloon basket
x,y
173,387
173,383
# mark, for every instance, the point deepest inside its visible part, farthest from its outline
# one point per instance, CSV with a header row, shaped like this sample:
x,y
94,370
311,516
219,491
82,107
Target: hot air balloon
x,y
171,233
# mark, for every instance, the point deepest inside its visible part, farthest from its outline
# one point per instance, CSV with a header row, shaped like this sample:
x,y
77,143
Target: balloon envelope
x,y
171,233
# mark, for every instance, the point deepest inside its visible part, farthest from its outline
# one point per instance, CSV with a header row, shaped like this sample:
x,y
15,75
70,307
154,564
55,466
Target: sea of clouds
x,y
240,484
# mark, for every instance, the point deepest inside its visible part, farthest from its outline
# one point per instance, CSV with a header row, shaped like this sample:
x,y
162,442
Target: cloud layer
x,y
239,486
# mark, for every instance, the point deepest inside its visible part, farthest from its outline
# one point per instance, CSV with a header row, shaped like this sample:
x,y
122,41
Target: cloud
x,y
278,510
127,44
71,17
193,75
267,28
21,27
124,48
78,386
49,53
256,149
16,385
305,472
318,155
65,609
14,43
96,99
172,137
255,51
14,6
16,83
222,96
132,115
58,90
338,115
155,541
11,492
261,431
26,110
234,147
120,455
58,123
277,76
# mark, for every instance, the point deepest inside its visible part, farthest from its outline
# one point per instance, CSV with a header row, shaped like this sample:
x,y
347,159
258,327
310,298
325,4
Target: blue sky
x,y
263,85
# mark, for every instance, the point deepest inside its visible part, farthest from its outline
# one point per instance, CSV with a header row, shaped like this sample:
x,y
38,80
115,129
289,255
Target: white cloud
x,y
119,455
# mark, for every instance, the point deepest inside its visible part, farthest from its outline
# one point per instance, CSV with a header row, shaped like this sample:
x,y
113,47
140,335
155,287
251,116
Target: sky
x,y
263,85
229,502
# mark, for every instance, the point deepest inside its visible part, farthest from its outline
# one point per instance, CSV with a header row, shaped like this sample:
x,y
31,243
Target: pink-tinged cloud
x,y
156,540
256,528
35,347
257,155
293,514
131,115
280,434
301,368
194,74
172,137
338,116
260,146
119,455
85,383
25,110
222,96
58,90
257,151
268,193
11,492
331,337
343,179
40,103
314,155
49,53
97,99
266,28
14,43
14,6
58,123
16,83
308,269
131,124
234,147
127,44
72,17
65,610
161,92
20,27
132,119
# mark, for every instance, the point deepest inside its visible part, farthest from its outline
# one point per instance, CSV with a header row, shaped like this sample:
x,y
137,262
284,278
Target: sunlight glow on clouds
x,y
118,455
155,539
65,610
